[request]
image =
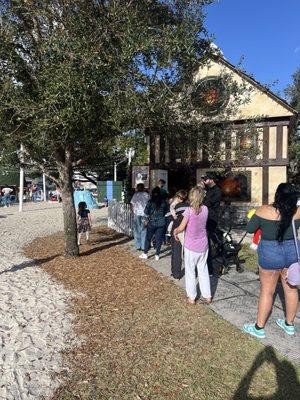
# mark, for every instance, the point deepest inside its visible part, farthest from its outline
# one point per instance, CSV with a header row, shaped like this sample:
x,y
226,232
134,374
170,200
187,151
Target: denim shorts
x,y
274,255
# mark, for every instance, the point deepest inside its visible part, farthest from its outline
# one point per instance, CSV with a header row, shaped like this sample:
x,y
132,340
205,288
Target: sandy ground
x,y
35,323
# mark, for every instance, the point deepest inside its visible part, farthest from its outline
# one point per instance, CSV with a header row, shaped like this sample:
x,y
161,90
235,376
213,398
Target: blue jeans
x,y
273,255
6,199
159,233
139,232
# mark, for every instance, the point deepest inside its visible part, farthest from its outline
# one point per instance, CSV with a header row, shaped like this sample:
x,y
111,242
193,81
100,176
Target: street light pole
x,y
44,187
115,172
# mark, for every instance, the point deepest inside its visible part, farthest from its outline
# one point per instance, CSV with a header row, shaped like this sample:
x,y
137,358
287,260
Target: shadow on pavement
x,y
288,386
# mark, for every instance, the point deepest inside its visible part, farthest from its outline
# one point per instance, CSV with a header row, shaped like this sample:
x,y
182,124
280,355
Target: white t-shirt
x,y
139,201
6,190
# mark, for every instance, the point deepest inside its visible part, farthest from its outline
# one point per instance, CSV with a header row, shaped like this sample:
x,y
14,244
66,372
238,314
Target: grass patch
x,y
142,341
250,257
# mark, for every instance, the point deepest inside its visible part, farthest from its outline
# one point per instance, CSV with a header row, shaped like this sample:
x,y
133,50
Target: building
x,y
272,118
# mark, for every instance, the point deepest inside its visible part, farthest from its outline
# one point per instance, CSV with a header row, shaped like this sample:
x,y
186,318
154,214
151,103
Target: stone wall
x,y
234,215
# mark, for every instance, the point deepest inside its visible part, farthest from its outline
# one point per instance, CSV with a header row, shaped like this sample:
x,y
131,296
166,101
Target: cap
x,y
209,175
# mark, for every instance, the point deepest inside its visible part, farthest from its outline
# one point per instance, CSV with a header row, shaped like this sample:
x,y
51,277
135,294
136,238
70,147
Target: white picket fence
x,y
120,218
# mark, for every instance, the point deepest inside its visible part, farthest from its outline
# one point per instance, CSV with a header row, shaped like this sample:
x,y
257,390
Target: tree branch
x,y
88,178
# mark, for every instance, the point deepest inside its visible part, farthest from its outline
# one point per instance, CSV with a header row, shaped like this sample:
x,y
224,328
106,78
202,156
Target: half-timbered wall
x,y
267,169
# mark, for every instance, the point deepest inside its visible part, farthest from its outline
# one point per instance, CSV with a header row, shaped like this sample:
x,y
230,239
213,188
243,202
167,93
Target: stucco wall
x,y
276,175
259,103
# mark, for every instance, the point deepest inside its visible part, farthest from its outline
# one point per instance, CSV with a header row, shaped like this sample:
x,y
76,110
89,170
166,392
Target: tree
x,y
76,73
101,167
293,94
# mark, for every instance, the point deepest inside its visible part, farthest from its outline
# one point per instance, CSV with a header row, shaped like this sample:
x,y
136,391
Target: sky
x,y
266,33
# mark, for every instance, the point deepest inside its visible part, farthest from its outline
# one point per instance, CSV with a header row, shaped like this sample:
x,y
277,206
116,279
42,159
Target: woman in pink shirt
x,y
195,246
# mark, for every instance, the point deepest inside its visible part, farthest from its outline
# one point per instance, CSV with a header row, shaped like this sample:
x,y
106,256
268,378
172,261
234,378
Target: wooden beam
x,y
265,185
279,143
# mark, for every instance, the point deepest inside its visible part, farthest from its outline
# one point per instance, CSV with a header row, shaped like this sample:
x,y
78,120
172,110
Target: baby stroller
x,y
226,251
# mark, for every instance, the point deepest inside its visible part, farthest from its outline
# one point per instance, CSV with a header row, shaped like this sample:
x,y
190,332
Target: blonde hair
x,y
196,196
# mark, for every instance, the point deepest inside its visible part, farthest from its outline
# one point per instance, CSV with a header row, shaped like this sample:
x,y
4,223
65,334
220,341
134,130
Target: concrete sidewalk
x,y
235,298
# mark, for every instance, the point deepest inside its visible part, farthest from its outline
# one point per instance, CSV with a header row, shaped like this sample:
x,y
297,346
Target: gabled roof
x,y
256,84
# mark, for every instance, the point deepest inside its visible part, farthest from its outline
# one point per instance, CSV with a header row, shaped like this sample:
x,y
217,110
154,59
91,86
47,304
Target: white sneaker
x,y
143,256
157,258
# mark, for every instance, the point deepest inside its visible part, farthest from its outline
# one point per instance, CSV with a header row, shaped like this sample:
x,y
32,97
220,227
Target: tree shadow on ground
x,y
106,238
288,386
113,242
113,239
28,264
54,207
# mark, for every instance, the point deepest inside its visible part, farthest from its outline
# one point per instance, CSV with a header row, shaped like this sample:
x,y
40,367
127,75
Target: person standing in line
x,y
276,252
34,193
6,195
177,245
212,201
161,185
195,246
155,212
138,204
84,221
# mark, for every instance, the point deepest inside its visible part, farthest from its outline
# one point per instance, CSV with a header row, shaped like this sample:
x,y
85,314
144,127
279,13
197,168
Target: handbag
x,y
293,275
147,219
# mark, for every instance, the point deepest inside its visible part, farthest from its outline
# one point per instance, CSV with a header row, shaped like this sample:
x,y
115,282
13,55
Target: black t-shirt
x,y
83,213
180,209
212,201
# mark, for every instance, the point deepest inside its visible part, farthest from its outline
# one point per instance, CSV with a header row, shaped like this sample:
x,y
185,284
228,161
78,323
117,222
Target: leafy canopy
x,y
76,73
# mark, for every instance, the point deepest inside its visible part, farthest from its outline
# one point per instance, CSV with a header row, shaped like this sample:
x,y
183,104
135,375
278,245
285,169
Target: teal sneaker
x,y
289,329
250,328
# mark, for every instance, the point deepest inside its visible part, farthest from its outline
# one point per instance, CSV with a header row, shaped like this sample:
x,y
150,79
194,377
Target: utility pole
x,y
129,155
21,191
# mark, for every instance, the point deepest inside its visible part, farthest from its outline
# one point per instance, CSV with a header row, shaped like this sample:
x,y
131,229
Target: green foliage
x,y
74,74
293,94
293,91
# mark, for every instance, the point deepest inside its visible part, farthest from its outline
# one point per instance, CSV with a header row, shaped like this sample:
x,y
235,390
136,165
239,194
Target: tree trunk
x,y
69,213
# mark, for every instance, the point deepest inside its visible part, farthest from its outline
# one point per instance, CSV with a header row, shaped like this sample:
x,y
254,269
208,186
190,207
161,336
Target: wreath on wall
x,y
210,96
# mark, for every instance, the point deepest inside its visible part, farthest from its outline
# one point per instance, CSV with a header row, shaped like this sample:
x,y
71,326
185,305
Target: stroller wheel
x,y
224,270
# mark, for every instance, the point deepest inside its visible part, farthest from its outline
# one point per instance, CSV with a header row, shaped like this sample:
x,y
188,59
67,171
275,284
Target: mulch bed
x,y
142,341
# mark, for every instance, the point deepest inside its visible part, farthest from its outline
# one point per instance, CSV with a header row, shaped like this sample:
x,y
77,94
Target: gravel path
x,y
35,323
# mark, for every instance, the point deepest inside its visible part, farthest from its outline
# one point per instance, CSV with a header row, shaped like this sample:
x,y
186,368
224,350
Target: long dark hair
x,y
285,202
156,197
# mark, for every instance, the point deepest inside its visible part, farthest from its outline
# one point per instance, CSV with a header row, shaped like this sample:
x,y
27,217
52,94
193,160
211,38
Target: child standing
x,y
195,246
84,221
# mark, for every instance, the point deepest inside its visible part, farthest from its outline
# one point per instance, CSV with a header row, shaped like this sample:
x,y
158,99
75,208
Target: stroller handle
x,y
242,238
228,232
